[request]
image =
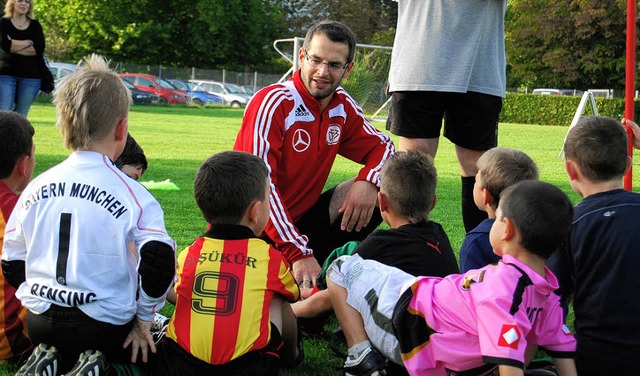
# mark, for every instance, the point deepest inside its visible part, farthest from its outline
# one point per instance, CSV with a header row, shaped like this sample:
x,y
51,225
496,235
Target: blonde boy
x,y
89,301
498,169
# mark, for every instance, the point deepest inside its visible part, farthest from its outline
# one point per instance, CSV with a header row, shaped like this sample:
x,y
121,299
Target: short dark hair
x,y
132,155
598,145
541,212
409,180
16,140
336,32
502,167
227,183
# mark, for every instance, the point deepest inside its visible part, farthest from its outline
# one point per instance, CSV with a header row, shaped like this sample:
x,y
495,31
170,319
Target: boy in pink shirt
x,y
494,316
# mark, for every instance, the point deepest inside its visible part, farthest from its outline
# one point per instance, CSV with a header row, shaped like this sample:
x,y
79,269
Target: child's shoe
x,y
43,362
159,327
369,363
90,363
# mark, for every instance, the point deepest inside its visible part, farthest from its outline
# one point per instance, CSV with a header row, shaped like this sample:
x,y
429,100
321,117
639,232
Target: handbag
x,y
47,84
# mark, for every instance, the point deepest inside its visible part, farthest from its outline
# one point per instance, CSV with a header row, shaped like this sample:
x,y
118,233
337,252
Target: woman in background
x,y
22,43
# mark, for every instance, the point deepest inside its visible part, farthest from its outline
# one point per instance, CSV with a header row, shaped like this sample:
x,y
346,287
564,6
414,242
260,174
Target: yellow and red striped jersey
x,y
13,316
225,283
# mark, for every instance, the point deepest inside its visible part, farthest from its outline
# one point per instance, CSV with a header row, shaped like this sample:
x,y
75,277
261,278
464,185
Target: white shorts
x,y
373,290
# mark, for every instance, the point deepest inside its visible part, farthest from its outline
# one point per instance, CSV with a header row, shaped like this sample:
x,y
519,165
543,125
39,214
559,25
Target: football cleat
x,y
43,362
90,363
369,363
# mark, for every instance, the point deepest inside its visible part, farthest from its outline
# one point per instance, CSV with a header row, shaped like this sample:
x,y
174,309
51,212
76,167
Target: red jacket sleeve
x,y
363,143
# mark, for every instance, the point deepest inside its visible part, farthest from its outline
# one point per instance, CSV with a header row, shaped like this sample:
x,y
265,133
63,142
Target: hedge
x,y
556,110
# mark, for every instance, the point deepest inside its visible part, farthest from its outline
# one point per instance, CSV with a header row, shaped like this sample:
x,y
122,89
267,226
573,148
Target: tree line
x,y
554,43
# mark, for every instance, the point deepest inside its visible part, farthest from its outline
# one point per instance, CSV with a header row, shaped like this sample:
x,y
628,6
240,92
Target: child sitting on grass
x,y
494,316
132,161
498,169
16,167
414,244
598,269
90,300
232,315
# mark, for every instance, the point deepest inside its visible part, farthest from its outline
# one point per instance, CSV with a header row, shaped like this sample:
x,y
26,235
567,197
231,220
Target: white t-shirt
x,y
449,45
71,226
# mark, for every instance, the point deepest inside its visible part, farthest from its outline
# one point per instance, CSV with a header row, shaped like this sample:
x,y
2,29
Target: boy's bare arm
x,y
316,304
565,366
510,371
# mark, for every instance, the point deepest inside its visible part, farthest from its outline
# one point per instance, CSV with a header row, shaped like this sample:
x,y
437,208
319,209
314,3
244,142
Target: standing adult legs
x,y
471,214
27,91
7,92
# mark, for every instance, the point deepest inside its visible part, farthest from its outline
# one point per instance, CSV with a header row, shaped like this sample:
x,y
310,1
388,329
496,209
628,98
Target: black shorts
x,y
470,119
324,236
173,360
71,331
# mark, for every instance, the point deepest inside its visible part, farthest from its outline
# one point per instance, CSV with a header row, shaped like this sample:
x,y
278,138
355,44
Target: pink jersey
x,y
283,125
487,315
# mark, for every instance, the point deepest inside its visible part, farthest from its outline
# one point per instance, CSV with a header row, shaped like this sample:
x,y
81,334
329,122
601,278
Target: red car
x,y
158,86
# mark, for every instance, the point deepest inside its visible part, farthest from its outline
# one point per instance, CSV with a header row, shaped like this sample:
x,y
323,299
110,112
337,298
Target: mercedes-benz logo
x,y
301,140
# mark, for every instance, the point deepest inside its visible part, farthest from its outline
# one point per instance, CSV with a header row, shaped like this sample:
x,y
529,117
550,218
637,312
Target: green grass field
x,y
177,139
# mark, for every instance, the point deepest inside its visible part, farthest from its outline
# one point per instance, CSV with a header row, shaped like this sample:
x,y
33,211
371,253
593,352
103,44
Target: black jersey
x,y
599,265
421,249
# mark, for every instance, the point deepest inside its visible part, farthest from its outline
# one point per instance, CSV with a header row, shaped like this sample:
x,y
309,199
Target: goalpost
x,y
368,81
587,98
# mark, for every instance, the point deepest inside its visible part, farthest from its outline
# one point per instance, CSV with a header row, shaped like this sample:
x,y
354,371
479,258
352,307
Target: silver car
x,y
232,94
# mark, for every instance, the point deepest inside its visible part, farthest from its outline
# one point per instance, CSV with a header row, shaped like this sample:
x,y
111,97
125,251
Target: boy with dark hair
x,y
599,266
494,316
498,169
414,244
65,248
16,167
232,315
132,161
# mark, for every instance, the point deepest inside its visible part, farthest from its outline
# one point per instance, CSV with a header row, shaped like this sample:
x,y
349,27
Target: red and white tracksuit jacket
x,y
283,125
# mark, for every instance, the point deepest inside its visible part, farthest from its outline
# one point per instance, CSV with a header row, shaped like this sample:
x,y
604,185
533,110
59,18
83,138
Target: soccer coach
x,y
298,128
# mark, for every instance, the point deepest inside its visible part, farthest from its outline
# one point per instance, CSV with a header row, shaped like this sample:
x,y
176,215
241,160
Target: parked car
x,y
249,89
141,97
60,70
158,86
231,94
558,92
197,94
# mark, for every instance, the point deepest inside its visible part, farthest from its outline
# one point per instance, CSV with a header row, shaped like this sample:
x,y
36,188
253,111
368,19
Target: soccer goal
x,y
368,81
588,98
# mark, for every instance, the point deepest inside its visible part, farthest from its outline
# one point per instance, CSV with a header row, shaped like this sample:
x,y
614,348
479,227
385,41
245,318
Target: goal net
x,y
368,81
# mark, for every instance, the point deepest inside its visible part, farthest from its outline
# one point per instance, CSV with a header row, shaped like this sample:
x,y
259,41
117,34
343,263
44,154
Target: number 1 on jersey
x,y
63,248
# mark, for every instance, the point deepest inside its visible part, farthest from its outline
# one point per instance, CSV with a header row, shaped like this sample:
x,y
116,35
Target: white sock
x,y
357,349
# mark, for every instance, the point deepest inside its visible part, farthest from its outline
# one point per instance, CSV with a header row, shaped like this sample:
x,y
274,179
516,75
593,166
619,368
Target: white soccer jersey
x,y
71,226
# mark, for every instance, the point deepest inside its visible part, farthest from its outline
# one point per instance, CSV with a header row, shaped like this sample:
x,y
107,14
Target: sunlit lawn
x,y
177,139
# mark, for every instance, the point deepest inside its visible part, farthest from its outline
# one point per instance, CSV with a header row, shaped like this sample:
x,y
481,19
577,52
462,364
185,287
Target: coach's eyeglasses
x,y
23,1
317,63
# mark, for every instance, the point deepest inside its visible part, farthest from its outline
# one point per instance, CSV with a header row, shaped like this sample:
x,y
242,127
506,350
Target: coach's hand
x,y
140,339
305,272
358,205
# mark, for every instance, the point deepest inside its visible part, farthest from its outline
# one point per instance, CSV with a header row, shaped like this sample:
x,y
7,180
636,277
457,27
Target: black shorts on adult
x,y
173,360
325,236
470,119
